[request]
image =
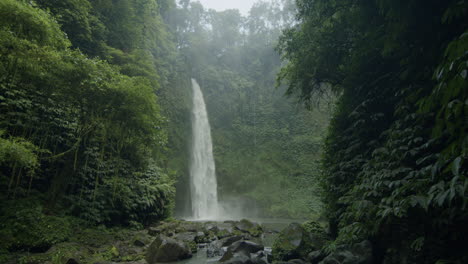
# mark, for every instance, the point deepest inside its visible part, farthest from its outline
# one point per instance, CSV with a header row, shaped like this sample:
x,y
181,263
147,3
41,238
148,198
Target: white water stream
x,y
203,184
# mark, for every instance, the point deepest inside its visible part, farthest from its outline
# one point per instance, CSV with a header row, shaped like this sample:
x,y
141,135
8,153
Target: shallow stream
x,y
271,228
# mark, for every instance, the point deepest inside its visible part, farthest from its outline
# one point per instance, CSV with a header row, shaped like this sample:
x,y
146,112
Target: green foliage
x,y
88,132
28,22
18,152
394,167
24,226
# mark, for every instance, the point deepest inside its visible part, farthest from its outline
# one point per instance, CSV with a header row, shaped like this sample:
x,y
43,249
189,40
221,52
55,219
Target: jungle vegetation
x,y
372,136
395,157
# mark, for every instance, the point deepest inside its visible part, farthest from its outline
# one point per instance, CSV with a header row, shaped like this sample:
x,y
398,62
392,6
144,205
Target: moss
x,y
256,231
133,257
62,252
223,233
193,246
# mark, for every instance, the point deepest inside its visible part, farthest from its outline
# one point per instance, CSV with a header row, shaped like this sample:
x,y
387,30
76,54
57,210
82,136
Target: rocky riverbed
x,y
228,242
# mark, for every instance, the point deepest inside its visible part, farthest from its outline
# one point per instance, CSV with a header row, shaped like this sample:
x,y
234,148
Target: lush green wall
x,y
396,151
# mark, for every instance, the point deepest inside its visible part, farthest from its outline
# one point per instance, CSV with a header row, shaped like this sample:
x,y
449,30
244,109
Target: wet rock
x,y
226,242
259,258
246,247
294,242
214,249
166,249
211,227
360,253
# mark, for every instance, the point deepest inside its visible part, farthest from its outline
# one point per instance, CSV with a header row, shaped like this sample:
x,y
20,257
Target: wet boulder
x,y
226,242
214,249
246,247
165,249
241,252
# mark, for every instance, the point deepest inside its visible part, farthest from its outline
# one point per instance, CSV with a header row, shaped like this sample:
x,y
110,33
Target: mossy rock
x,y
62,253
246,226
193,246
295,242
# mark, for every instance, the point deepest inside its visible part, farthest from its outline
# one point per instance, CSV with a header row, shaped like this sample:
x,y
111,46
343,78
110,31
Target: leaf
x,y
456,166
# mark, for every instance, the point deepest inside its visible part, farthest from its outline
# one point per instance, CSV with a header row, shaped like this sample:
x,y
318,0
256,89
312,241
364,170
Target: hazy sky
x,y
219,5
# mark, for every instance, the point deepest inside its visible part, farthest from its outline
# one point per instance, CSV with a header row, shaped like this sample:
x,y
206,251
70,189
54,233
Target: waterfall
x,y
203,185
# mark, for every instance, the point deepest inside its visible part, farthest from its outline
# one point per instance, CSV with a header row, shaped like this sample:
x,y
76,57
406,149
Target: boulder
x,y
186,236
241,252
165,249
226,242
214,249
246,226
360,253
294,242
246,247
201,237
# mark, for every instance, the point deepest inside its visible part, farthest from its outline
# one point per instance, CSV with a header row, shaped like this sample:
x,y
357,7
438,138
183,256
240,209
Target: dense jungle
x,y
302,131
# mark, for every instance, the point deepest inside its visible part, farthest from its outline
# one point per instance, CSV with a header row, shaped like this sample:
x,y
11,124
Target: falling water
x,y
203,185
